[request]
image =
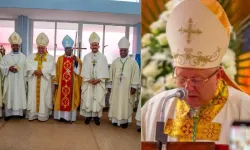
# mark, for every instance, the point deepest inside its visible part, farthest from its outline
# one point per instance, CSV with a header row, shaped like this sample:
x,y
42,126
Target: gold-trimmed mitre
x,y
198,33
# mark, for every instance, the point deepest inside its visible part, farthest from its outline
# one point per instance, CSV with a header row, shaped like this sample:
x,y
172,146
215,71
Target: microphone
x,y
160,137
181,93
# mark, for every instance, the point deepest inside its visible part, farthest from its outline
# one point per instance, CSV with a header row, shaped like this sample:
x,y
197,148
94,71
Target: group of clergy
x,y
27,83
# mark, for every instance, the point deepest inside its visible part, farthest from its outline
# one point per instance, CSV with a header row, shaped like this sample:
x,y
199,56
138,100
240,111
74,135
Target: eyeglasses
x,y
182,81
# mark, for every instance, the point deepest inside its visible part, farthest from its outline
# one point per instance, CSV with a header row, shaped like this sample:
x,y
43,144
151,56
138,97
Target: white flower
x,y
229,58
146,93
162,39
158,86
157,26
169,5
229,65
145,56
231,72
159,56
165,15
165,56
170,81
146,39
151,70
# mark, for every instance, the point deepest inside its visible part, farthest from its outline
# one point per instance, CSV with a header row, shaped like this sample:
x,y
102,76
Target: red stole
x,y
66,89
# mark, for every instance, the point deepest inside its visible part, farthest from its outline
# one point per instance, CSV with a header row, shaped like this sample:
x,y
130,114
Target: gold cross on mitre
x,y
15,38
190,31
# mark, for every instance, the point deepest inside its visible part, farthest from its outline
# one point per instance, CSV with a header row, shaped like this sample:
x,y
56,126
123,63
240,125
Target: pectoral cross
x,y
121,76
190,31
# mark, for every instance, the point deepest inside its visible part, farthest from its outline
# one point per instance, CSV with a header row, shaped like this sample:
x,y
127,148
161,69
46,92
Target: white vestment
x,y
236,108
138,113
14,93
45,103
93,96
121,101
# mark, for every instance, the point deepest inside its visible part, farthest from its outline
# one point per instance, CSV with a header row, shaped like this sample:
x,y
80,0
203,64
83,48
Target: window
x,y
131,38
7,27
64,29
49,29
87,29
113,34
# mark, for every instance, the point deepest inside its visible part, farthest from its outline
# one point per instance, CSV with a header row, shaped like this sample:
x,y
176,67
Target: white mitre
x,y
15,38
94,38
197,37
124,43
42,40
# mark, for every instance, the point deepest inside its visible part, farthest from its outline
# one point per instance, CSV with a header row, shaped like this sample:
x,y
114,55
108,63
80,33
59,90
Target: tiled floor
x,y
21,134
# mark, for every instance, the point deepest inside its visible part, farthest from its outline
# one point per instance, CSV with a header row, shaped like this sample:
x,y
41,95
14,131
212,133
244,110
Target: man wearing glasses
x,y
198,34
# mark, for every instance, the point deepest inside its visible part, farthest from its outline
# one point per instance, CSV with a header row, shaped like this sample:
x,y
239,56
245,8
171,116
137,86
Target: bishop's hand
x,y
38,73
13,69
75,60
132,91
96,81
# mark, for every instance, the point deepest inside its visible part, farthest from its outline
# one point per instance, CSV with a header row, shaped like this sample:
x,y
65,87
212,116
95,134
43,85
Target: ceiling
x,y
62,15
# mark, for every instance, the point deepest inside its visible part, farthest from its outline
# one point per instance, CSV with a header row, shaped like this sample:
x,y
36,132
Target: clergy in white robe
x,y
67,83
213,101
13,67
40,72
123,80
94,73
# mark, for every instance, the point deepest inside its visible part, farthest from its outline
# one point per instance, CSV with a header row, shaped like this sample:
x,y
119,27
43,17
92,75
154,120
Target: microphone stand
x,y
160,137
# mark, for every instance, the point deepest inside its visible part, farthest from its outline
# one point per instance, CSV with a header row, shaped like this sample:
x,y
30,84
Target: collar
x,y
12,52
95,54
124,58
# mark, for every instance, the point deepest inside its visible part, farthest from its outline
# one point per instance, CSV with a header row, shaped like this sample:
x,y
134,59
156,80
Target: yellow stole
x,y
183,127
40,59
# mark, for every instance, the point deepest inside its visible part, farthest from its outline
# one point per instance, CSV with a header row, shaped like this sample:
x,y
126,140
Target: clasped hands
x,y
38,73
94,81
13,69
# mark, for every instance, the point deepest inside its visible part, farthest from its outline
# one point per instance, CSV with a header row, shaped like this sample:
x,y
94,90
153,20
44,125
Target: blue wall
x,y
23,30
103,6
137,43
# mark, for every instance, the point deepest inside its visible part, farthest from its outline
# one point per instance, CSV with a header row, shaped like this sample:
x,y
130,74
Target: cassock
x,y
95,66
138,114
124,75
14,84
39,88
65,107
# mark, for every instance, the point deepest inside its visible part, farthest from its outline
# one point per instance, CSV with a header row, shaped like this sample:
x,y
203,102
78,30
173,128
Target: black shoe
x,y
7,118
139,130
87,120
115,124
97,121
22,116
62,120
124,126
